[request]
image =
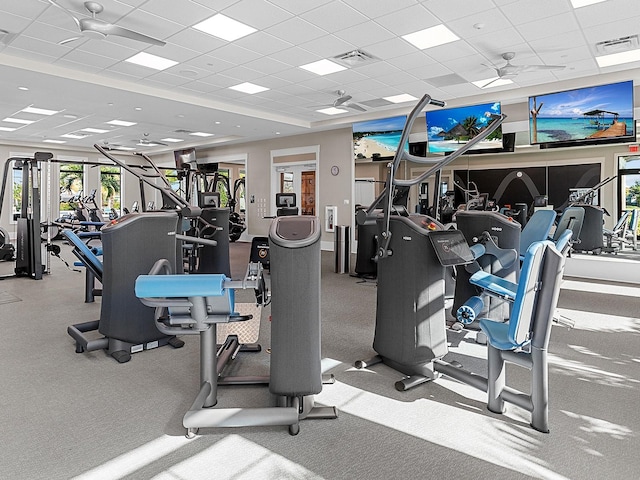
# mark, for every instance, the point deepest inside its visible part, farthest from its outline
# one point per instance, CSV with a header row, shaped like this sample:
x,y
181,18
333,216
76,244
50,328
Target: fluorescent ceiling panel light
x,y
619,58
121,123
39,111
404,97
93,130
171,140
323,67
249,88
202,134
332,111
584,3
18,120
151,61
76,136
495,82
224,27
431,37
128,149
49,140
7,129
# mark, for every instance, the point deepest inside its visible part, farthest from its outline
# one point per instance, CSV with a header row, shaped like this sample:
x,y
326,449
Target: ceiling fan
x,y
94,28
145,141
344,100
509,70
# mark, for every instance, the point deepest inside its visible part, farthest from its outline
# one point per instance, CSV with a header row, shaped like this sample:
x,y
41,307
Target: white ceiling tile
x,y
328,46
297,7
257,13
452,50
235,54
491,21
334,16
40,47
409,20
209,64
83,58
525,11
454,9
267,66
548,27
263,43
296,56
14,23
390,49
296,31
378,9
196,40
25,8
149,24
364,34
188,12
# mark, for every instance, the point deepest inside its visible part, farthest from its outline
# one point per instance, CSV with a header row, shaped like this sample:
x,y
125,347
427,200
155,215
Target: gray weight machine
x,y
413,256
197,304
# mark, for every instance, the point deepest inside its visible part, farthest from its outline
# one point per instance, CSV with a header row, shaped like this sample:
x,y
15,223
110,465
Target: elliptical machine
x,y
407,332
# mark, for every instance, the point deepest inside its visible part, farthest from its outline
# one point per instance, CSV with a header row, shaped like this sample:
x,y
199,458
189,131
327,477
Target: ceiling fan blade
x,y
355,106
68,12
103,28
341,100
532,68
492,81
68,40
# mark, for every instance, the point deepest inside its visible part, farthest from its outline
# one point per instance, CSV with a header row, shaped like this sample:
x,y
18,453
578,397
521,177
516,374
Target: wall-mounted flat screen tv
x,y
378,138
583,116
449,129
183,157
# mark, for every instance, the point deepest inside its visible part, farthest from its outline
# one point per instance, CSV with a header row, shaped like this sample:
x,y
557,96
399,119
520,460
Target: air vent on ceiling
x,y
618,45
355,58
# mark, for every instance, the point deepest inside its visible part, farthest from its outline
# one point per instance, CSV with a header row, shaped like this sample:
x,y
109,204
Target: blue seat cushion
x,y
174,286
494,284
497,334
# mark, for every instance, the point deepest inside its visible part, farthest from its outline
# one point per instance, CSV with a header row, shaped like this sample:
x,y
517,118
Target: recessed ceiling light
x,y
122,123
76,136
224,27
403,97
249,88
492,82
171,140
202,134
323,67
70,116
93,130
18,120
217,123
584,3
50,140
7,129
151,61
39,111
431,37
619,58
24,89
332,111
138,109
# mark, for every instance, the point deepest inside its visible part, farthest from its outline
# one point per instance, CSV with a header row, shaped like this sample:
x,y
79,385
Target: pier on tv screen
x,y
599,114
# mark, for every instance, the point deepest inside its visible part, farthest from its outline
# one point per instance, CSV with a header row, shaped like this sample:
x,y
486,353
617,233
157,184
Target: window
x,y
110,188
71,185
16,204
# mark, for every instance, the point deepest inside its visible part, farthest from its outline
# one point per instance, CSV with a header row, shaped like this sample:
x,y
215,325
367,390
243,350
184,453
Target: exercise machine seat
x,y
84,253
516,332
537,228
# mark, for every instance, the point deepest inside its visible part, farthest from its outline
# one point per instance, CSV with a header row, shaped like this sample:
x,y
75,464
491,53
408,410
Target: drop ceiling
x,y
89,82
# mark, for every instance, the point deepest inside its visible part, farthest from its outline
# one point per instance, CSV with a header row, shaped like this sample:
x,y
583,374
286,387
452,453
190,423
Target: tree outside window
x,y
71,184
110,188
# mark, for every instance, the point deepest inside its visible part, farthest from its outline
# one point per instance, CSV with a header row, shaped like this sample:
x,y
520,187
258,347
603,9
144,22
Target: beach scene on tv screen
x,y
591,113
378,138
449,129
